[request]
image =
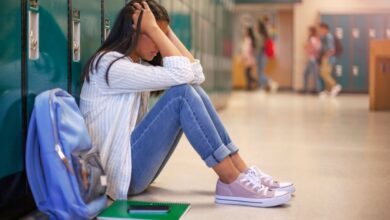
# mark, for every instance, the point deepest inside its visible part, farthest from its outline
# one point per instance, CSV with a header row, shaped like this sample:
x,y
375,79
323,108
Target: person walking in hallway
x,y
248,57
263,39
313,49
328,60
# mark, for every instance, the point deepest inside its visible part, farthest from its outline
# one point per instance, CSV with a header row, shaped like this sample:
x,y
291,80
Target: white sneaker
x,y
274,86
246,191
336,90
323,94
268,181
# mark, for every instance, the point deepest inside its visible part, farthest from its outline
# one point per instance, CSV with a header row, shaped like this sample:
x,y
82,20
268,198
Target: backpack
x,y
269,48
65,175
338,47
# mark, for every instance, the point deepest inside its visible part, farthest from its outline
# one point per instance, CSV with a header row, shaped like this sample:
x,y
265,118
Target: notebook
x,y
118,210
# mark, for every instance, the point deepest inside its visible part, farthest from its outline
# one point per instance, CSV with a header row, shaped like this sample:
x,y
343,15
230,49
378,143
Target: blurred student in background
x,y
248,56
264,49
313,49
328,61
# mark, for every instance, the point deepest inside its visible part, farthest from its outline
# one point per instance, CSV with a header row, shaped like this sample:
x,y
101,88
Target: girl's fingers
x,y
145,4
135,17
138,6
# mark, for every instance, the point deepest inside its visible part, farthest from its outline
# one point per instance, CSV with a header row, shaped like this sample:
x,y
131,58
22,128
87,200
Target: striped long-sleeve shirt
x,y
111,110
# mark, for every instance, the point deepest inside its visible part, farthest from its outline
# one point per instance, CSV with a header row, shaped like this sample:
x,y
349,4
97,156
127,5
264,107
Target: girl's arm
x,y
196,67
179,45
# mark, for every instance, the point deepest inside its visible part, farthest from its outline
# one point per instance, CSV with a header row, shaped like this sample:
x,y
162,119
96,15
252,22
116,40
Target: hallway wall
x,y
307,13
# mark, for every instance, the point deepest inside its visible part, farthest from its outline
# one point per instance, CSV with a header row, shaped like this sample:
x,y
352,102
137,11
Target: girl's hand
x,y
148,22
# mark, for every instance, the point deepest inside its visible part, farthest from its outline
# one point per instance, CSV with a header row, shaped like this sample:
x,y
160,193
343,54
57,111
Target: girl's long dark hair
x,y
263,31
123,38
251,35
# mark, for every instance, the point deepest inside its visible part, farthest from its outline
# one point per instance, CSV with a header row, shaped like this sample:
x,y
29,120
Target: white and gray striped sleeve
x,y
198,73
124,75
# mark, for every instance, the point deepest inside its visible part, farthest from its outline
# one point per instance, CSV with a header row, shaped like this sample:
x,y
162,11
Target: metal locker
x,y
13,182
11,153
218,42
47,47
111,10
358,75
181,22
387,26
341,29
86,37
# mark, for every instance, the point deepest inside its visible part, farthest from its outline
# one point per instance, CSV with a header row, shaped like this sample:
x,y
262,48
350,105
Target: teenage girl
x,y
141,55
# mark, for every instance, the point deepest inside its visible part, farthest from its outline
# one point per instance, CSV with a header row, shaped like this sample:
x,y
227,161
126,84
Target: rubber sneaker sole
x,y
263,203
287,188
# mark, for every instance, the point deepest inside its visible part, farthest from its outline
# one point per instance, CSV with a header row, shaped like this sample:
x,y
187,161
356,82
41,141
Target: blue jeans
x,y
312,68
181,108
261,60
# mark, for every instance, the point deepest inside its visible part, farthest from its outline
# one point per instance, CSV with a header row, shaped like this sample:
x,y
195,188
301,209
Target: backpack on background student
x,y
65,175
269,48
338,48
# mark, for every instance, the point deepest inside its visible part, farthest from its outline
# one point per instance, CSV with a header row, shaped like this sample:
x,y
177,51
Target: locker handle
x,y
33,41
76,27
76,48
107,28
33,38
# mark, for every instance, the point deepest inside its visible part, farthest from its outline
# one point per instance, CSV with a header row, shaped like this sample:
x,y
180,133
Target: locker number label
x,y
339,70
355,33
372,33
339,33
355,70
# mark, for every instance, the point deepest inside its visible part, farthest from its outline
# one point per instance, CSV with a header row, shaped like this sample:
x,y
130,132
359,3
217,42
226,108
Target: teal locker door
x,y
220,77
11,154
375,24
181,22
47,65
359,36
111,11
340,28
87,35
387,27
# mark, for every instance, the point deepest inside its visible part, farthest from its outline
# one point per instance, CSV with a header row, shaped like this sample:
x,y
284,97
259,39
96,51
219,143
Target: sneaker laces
x,y
261,177
254,185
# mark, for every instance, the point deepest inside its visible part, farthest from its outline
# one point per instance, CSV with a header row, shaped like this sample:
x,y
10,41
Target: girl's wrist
x,y
152,29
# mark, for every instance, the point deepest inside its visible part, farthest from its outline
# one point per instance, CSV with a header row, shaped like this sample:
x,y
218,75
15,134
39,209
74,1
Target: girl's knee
x,y
180,88
183,90
135,190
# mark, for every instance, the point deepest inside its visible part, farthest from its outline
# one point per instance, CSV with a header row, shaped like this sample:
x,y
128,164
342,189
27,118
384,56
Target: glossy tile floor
x,y
335,150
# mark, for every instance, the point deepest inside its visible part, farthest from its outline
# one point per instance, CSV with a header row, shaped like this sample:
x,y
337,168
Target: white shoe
x,y
267,180
336,90
323,94
273,86
246,191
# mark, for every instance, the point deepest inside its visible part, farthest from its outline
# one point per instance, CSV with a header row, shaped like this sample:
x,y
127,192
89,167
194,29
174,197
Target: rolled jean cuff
x,y
233,148
217,156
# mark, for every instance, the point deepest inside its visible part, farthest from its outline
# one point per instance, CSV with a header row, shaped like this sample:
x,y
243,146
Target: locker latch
x,y
33,30
76,35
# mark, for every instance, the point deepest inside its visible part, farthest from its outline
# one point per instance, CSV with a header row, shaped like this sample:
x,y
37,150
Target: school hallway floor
x,y
334,150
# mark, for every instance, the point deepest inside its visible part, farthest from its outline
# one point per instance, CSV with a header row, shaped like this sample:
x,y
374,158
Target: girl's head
x,y
312,31
263,30
123,38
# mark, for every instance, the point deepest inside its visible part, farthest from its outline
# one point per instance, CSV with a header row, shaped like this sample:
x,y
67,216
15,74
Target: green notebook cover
x,y
118,210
